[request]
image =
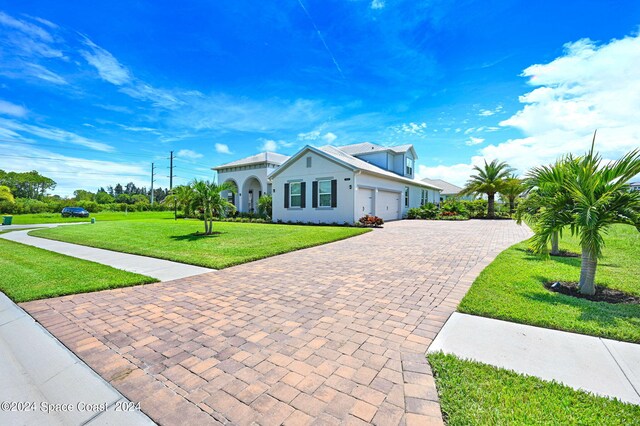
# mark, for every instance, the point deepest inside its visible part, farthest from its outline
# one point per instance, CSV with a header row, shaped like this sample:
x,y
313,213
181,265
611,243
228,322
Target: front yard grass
x,y
511,288
472,393
233,243
39,218
30,273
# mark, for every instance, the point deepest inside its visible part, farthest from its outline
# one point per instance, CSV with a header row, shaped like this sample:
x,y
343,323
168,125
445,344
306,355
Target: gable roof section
x,y
447,188
263,157
350,162
368,147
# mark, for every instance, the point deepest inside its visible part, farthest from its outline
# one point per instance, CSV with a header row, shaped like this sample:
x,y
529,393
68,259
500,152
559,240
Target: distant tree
x,y
103,197
110,191
488,180
28,184
117,190
160,194
82,195
6,195
139,199
124,198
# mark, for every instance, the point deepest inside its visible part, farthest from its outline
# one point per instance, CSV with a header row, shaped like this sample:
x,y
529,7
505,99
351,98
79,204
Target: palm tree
x,y
488,180
265,205
208,198
511,189
601,198
183,197
548,201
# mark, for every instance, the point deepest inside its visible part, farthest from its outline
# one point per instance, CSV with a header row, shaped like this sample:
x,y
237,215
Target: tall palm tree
x,y
208,197
488,180
601,198
511,189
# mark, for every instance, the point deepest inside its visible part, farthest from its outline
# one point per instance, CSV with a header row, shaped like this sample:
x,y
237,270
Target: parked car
x,y
74,212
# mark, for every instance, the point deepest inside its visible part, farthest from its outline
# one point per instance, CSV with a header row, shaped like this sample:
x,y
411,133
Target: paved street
x,y
331,334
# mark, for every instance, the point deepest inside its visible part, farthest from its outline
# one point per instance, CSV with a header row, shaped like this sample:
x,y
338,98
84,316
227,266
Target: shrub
x,y
476,208
371,221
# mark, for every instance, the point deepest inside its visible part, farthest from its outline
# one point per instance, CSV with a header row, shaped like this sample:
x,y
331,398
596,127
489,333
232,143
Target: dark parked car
x,y
74,212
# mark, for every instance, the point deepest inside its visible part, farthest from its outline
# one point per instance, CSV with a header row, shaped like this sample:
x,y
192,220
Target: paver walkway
x,y
163,270
36,369
335,333
602,366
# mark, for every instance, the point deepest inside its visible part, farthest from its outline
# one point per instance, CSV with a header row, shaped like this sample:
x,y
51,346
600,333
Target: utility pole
x,y
153,169
171,175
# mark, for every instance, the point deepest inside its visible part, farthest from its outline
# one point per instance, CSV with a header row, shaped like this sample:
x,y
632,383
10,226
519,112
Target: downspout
x,y
353,196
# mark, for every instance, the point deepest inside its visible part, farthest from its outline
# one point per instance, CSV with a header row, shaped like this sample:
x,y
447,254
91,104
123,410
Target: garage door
x,y
388,205
364,202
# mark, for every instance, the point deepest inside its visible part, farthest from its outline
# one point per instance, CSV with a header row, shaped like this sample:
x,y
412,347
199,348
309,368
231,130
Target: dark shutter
x,y
286,195
314,195
334,193
303,194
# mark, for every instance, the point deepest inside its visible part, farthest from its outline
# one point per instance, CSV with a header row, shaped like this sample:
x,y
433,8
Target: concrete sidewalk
x,y
602,366
163,270
37,370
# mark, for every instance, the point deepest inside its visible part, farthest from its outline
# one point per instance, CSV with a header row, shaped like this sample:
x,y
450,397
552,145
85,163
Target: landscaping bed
x,y
512,288
472,393
232,243
29,273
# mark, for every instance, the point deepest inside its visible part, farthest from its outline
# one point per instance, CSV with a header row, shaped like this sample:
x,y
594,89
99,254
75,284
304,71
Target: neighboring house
x,y
449,190
635,186
341,184
251,176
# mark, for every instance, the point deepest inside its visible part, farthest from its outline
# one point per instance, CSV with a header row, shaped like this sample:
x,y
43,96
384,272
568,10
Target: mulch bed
x,y
564,253
603,294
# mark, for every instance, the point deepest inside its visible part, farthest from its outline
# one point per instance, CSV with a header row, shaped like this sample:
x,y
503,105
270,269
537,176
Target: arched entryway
x,y
251,192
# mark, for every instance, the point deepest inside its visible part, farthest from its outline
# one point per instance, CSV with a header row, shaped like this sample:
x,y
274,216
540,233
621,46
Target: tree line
x,y
29,192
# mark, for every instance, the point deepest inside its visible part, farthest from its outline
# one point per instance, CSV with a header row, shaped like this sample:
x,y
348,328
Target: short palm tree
x,y
601,197
265,205
208,197
183,196
512,189
548,200
488,180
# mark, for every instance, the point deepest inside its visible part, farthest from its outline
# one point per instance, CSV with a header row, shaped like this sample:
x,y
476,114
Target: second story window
x,y
409,170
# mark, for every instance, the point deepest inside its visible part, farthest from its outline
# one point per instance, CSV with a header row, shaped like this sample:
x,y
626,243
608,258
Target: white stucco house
x,y
449,190
331,184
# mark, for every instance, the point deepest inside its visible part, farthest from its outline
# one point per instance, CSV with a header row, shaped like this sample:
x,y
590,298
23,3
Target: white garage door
x,y
388,205
364,202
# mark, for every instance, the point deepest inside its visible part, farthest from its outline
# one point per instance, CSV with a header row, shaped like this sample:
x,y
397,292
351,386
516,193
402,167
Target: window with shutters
x,y
295,194
324,193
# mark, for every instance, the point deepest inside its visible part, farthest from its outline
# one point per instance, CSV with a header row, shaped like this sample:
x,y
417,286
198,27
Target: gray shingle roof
x,y
356,163
263,157
447,188
366,147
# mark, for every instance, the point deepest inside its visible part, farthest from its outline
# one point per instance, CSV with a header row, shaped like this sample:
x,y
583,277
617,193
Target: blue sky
x,y
91,94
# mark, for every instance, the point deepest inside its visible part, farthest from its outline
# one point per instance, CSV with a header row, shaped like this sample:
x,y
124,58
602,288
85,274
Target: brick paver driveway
x,y
332,334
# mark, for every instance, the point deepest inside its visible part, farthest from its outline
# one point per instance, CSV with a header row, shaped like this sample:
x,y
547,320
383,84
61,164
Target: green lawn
x,y
30,273
511,288
234,243
477,394
28,219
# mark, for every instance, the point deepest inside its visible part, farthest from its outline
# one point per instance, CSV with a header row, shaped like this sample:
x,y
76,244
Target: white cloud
x,y
329,137
188,154
490,112
590,86
106,64
7,108
269,145
457,174
377,4
414,129
309,136
474,141
222,148
54,134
